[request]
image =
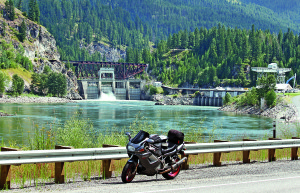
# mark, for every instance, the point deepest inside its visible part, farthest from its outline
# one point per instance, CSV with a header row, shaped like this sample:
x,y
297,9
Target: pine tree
x,y
34,11
31,11
3,33
10,9
22,31
37,12
19,5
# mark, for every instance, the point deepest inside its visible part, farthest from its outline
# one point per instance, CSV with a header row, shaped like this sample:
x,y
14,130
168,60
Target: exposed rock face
x,y
111,54
43,45
42,51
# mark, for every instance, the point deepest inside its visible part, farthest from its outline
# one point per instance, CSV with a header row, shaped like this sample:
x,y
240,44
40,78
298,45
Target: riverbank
x,y
283,110
26,99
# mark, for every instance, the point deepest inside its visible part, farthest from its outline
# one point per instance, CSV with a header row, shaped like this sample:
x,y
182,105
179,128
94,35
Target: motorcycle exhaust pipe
x,y
175,166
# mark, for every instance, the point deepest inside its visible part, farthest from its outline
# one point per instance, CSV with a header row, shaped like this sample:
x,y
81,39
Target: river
x,y
118,115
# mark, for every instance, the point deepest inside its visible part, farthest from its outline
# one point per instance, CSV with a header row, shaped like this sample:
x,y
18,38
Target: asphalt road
x,y
279,176
296,102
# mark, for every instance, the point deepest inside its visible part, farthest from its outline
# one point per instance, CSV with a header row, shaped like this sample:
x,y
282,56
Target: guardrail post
x,y
246,154
106,164
59,167
217,156
5,172
294,152
185,165
271,152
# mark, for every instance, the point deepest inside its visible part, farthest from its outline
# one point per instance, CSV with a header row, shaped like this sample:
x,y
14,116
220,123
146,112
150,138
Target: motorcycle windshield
x,y
140,137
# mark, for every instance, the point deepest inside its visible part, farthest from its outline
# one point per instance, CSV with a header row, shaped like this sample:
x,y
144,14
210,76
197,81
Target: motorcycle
x,y
153,154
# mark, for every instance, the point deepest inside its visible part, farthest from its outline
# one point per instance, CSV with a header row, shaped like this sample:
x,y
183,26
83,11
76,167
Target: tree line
x,y
219,56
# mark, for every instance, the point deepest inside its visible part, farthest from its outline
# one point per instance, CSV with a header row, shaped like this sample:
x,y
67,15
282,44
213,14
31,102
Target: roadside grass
x,y
289,94
79,133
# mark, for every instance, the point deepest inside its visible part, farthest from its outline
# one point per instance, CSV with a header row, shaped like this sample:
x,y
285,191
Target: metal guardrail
x,y
201,148
65,154
61,155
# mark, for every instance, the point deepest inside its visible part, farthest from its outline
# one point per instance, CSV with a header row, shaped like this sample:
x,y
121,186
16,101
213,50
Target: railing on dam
x,y
63,154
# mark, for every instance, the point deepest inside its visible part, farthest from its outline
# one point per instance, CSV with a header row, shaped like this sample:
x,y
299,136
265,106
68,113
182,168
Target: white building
x,y
283,87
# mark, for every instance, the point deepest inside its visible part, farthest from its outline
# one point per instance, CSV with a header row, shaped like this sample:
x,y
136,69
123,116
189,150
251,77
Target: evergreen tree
x,y
22,31
34,11
3,33
37,12
19,5
31,11
10,9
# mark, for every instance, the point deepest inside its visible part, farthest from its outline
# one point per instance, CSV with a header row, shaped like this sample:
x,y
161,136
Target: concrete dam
x,y
129,89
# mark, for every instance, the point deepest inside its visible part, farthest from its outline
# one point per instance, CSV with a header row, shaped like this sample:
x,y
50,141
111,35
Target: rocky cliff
x,y
111,54
40,48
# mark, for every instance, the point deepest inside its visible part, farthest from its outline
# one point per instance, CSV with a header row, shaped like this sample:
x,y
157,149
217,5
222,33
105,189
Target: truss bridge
x,y
89,70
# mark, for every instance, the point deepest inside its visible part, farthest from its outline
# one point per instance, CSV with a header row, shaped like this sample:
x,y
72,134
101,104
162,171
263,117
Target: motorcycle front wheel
x,y
171,175
128,172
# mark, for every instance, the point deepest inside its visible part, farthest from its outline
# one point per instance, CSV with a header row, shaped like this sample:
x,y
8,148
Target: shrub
x,y
17,85
252,97
271,98
227,99
153,90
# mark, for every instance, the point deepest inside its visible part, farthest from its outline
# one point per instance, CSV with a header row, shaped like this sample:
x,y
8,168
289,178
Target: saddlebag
x,y
175,137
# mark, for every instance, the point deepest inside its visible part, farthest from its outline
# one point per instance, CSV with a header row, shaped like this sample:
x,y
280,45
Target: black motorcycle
x,y
153,154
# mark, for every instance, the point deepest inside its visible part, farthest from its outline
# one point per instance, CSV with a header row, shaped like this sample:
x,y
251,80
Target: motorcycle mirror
x,y
129,135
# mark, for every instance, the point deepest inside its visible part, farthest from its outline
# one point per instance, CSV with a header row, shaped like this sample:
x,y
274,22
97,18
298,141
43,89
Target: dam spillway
x,y
122,89
129,89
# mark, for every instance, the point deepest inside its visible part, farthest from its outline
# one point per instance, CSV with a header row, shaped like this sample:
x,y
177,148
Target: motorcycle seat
x,y
170,149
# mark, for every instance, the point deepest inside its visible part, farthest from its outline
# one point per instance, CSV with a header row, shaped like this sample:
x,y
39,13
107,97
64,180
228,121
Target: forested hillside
x,y
123,23
217,33
222,56
77,23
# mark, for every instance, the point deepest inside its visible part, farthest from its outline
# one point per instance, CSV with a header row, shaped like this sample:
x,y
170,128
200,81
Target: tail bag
x,y
175,137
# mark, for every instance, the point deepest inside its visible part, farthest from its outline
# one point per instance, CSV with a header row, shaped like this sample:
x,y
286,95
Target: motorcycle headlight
x,y
130,148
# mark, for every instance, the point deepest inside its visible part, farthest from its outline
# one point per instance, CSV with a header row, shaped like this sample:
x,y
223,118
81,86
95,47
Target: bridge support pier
x,y
100,88
127,90
114,86
84,88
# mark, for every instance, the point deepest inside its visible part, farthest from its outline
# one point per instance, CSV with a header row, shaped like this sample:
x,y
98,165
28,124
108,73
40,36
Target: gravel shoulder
x,y
296,102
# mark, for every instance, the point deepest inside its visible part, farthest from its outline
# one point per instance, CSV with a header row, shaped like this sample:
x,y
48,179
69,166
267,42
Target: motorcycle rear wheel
x,y
171,175
128,172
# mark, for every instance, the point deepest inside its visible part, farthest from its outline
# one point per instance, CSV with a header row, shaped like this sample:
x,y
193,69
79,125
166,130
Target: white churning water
x,y
107,97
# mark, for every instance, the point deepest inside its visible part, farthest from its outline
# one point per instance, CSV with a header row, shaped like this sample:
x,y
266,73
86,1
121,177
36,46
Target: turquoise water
x,y
118,115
